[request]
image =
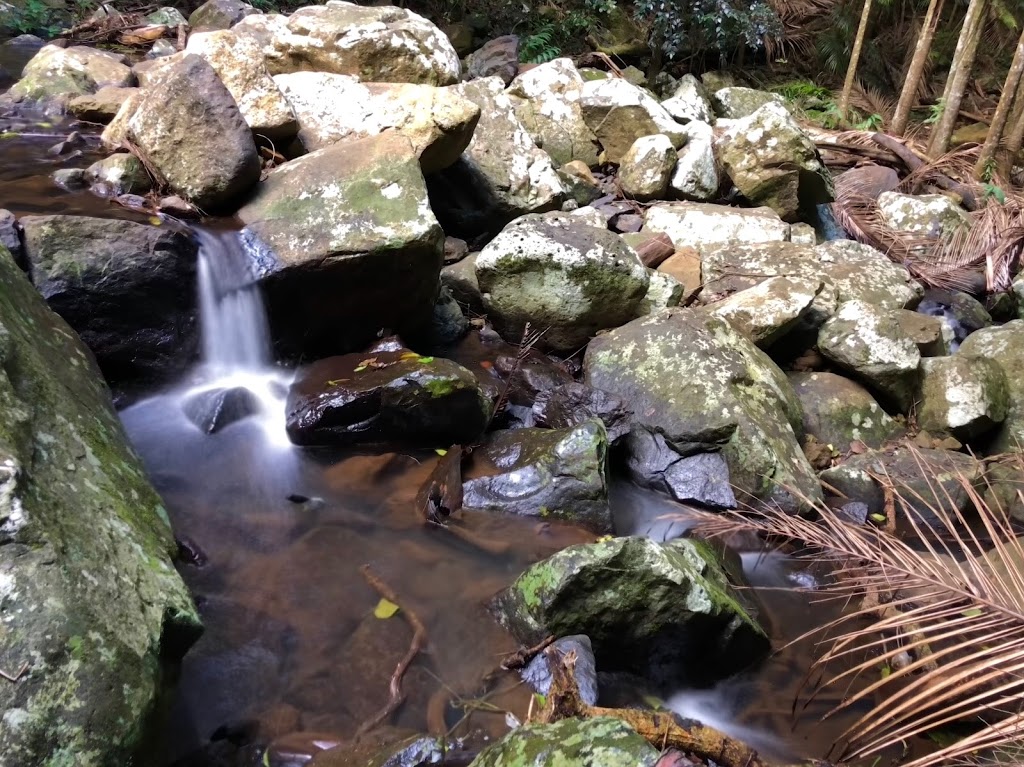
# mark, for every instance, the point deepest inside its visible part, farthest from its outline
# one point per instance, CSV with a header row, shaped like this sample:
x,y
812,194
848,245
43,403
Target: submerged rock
x,y
119,174
839,412
595,742
549,473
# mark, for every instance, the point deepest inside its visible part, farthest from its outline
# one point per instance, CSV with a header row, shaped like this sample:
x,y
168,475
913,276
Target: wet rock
x,y
411,751
18,51
646,168
651,608
539,672
662,365
547,102
773,163
698,225
963,396
119,174
56,75
449,324
192,132
213,410
696,173
931,336
735,102
460,279
296,749
869,342
502,174
619,113
70,179
689,102
839,412
689,478
770,310
238,62
562,275
101,106
495,58
961,312
128,289
603,741
664,291
89,589
548,473
219,14
331,108
394,396
351,219
931,215
10,238
571,404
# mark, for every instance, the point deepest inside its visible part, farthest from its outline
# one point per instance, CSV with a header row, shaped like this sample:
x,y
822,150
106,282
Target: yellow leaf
x,y
974,612
385,609
155,220
440,451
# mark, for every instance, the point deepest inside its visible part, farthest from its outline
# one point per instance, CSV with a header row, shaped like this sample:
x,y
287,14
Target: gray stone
x,y
460,279
646,169
962,396
619,113
595,742
219,14
449,324
1004,345
689,102
119,174
696,173
931,336
101,106
803,234
698,478
700,226
216,409
663,292
166,16
9,237
767,312
931,215
495,58
839,412
69,179
571,404
734,103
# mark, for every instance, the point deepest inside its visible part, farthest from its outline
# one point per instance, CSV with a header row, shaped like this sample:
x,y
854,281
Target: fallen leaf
x,y
155,220
385,609
974,612
360,369
879,518
857,447
426,360
486,364
440,451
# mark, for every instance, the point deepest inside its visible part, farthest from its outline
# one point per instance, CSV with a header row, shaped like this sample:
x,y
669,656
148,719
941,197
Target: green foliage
x,y
827,117
870,123
992,191
678,26
34,17
935,112
798,91
539,47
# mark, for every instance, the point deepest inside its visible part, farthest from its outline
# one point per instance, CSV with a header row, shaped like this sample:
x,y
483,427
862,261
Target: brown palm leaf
x,y
936,633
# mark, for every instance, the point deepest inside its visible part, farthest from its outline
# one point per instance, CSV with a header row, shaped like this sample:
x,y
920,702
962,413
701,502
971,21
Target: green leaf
x,y
426,360
879,518
440,451
886,671
540,700
9,134
654,702
385,609
974,612
360,369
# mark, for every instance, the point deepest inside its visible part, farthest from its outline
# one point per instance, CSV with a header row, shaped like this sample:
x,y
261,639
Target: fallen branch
x,y
15,676
419,636
522,656
878,155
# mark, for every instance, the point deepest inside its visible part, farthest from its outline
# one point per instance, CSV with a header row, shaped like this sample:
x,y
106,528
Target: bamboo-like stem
x,y
908,96
851,70
1002,113
959,75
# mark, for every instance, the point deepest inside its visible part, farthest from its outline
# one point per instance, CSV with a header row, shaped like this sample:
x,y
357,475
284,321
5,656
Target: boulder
x,y
931,336
101,106
190,129
460,279
18,51
689,375
663,291
56,75
238,62
160,49
149,71
119,174
127,289
216,409
701,226
495,58
351,219
696,173
438,121
962,396
561,275
770,310
599,742
931,215
219,14
773,163
547,102
385,397
839,412
867,341
91,599
167,17
1004,345
547,473
736,102
646,606
502,174
646,169
689,102
619,113
701,478
571,404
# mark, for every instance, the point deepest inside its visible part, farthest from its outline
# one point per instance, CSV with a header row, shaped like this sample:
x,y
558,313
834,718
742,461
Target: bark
x,y
908,96
959,75
1016,137
851,70
1002,113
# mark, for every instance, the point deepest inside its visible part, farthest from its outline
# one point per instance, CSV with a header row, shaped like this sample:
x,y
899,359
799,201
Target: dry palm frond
x,y
871,101
935,635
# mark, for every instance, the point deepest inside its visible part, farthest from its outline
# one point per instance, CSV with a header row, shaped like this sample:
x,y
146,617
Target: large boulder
x,y
931,215
495,58
548,473
91,602
735,102
698,381
646,606
560,275
594,742
963,396
190,129
502,174
767,312
349,220
619,113
1004,345
127,289
330,108
773,163
702,226
840,412
56,75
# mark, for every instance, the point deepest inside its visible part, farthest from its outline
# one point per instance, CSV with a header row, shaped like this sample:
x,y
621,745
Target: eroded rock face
x,y
599,741
619,113
90,596
1004,345
839,412
962,396
56,75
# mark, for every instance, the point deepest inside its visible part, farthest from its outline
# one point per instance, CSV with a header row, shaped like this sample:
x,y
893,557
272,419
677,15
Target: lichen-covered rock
x,y
645,170
438,121
663,291
352,219
698,225
770,310
594,742
932,215
703,385
189,129
119,174
868,341
619,113
385,397
495,58
548,473
89,597
689,102
696,173
127,289
547,101
1004,345
961,396
56,75
560,274
773,163
101,106
839,412
116,131
238,62
645,606
166,16
735,102
803,234
219,14
932,336
502,174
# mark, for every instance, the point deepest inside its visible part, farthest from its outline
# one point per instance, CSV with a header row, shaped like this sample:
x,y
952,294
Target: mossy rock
x,y
597,742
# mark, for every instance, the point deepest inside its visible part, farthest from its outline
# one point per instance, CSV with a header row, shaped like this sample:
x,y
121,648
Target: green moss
x,y
441,387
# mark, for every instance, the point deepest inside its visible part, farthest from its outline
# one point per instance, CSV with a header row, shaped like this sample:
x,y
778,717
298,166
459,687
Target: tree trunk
x,y
1002,113
851,70
1016,137
908,96
959,74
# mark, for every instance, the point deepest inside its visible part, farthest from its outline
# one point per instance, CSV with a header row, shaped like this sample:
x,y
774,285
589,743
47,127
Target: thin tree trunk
x,y
908,96
1016,137
851,70
959,74
1002,113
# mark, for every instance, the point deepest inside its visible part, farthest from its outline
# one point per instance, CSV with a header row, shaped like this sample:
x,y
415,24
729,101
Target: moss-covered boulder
x,y
562,274
57,75
89,600
697,380
839,412
1004,345
349,220
962,396
548,473
646,606
597,742
619,113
